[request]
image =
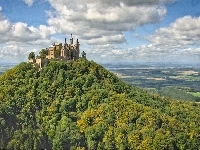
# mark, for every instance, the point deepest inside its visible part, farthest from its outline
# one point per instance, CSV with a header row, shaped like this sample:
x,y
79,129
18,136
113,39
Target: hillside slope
x,y
81,105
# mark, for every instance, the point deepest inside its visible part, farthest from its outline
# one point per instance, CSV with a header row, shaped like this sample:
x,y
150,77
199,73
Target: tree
x,y
31,55
81,105
43,53
83,55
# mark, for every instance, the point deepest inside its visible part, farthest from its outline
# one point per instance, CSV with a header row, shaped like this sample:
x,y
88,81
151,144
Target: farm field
x,y
156,77
197,94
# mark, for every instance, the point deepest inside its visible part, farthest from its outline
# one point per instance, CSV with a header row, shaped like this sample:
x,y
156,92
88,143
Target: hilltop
x,y
81,105
57,51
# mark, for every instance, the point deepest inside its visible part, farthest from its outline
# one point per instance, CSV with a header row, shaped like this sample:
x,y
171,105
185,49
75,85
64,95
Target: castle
x,y
59,51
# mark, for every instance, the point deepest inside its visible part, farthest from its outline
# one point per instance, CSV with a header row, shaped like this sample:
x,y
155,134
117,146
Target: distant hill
x,y
82,106
5,66
175,93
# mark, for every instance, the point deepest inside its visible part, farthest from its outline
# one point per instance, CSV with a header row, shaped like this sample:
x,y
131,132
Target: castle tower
x,y
51,53
71,41
63,52
77,49
77,44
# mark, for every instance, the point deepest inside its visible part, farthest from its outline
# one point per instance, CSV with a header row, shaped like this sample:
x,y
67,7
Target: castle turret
x,y
71,41
77,44
77,49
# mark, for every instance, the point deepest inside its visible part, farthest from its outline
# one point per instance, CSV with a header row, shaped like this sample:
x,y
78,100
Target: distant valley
x,y
163,79
6,66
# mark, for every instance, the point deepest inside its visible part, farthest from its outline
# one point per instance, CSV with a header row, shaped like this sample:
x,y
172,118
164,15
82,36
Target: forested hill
x,y
82,106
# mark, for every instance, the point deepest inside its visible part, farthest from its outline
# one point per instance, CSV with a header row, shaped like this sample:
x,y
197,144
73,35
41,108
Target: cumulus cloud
x,y
144,53
184,31
29,2
179,42
104,21
102,25
18,38
21,33
12,52
16,52
105,53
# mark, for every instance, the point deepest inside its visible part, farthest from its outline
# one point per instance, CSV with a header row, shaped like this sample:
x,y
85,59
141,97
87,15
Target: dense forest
x,y
82,106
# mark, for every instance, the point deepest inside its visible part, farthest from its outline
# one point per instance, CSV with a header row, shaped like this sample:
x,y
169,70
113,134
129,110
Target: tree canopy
x,y
31,55
43,53
82,106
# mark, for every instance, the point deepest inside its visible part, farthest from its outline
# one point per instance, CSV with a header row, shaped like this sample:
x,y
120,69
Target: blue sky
x,y
108,30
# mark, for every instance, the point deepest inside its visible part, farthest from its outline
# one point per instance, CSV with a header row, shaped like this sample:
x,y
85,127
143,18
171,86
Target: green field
x,y
196,94
174,82
157,77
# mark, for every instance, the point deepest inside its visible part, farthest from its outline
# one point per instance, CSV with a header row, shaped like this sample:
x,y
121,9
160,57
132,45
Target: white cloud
x,y
12,53
23,34
144,53
29,2
99,22
4,25
18,38
184,31
18,53
101,25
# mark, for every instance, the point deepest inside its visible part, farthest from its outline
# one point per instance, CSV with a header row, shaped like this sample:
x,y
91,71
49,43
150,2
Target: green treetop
x,y
31,55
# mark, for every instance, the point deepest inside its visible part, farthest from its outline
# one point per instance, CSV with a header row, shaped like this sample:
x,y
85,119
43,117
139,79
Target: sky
x,y
109,31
